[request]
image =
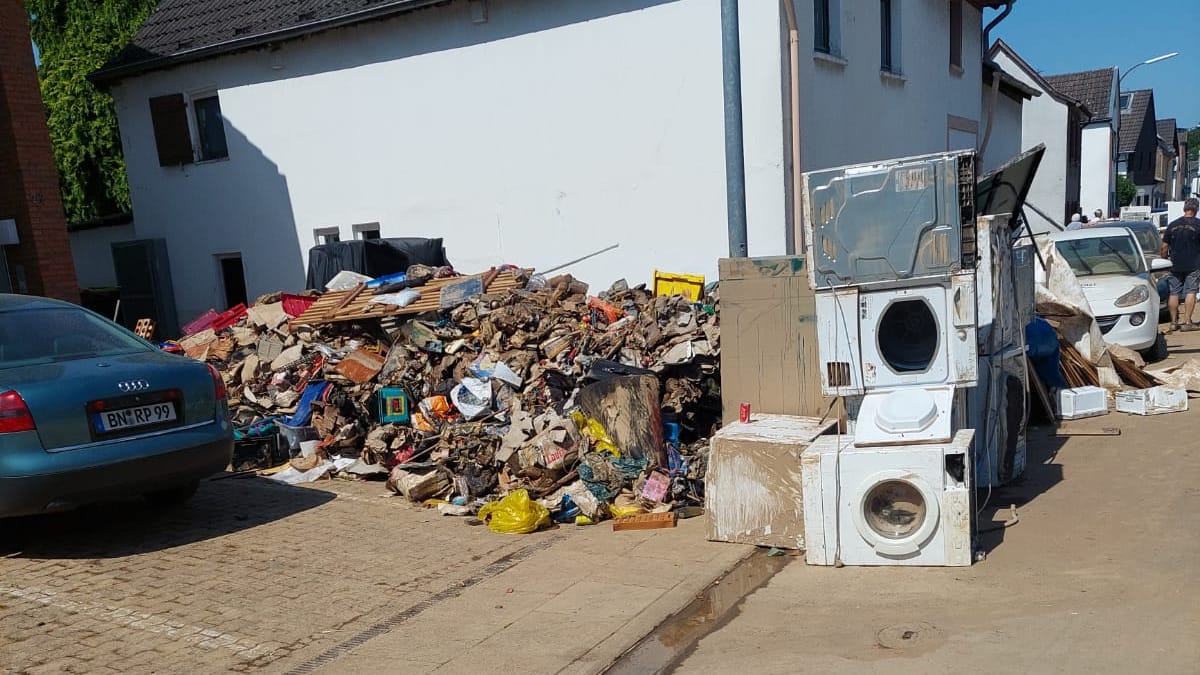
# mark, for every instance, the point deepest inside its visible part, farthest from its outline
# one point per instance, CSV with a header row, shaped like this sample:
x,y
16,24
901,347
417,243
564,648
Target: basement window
x,y
326,235
366,230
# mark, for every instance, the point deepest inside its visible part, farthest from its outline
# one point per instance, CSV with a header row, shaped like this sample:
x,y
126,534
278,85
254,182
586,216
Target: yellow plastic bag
x,y
594,430
515,514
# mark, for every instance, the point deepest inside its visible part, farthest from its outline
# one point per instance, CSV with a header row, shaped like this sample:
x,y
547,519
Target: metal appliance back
x,y
891,221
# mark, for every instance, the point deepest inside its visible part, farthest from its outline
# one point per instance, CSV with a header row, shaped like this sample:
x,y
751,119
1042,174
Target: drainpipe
x,y
987,32
797,238
735,158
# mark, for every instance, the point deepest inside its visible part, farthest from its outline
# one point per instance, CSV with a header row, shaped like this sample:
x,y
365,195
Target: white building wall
x,y
1005,142
1097,175
550,131
1044,120
91,251
851,113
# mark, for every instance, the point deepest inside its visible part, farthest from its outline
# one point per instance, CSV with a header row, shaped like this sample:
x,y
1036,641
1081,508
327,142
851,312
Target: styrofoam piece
x,y
1152,401
1082,402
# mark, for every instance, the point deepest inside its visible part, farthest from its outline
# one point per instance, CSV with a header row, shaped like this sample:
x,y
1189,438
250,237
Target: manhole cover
x,y
908,636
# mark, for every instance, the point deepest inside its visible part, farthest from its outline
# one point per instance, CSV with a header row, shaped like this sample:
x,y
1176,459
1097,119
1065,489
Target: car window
x,y
1102,255
1147,238
35,336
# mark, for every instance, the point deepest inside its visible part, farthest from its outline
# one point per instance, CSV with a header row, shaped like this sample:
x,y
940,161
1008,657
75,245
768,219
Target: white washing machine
x,y
901,505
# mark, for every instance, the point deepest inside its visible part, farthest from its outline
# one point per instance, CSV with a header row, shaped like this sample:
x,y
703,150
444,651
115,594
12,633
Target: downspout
x,y
991,109
797,239
987,32
735,157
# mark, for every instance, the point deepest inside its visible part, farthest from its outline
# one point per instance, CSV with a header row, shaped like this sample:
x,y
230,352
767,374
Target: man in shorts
x,y
1181,243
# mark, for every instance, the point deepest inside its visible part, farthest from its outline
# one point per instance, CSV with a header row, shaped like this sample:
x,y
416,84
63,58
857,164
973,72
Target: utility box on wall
x,y
769,338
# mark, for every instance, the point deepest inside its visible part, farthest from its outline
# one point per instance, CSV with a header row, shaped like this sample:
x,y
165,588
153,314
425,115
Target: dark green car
x,y
89,411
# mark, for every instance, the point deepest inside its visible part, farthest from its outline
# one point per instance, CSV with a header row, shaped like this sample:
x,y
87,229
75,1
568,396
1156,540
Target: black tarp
x,y
372,257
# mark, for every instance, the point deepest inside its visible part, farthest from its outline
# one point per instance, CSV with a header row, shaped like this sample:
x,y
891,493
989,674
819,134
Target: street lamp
x,y
1147,62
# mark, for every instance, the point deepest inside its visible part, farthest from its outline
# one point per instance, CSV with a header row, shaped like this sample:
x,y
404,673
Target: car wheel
x,y
173,496
1158,352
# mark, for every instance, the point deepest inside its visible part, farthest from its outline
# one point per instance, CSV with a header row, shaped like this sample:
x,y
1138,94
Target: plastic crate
x,y
690,286
294,436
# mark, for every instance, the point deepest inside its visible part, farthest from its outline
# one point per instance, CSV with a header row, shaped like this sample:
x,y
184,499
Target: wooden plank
x,y
1106,431
644,521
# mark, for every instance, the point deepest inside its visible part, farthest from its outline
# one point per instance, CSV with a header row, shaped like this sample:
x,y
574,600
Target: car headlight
x,y
1137,295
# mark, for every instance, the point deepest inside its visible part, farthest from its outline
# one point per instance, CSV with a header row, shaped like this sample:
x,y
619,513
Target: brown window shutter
x,y
171,135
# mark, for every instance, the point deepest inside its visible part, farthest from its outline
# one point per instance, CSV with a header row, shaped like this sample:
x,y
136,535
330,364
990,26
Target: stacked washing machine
x,y
921,306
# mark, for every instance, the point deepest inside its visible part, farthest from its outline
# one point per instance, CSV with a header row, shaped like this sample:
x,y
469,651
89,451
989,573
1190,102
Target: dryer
x,y
902,505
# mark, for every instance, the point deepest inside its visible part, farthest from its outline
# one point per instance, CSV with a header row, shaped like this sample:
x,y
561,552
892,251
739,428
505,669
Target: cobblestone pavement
x,y
250,576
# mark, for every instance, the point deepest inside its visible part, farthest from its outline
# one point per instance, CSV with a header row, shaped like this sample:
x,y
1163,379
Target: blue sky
x,y
1062,36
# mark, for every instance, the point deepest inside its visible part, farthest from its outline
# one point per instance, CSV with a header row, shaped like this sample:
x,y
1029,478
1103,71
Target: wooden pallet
x,y
356,305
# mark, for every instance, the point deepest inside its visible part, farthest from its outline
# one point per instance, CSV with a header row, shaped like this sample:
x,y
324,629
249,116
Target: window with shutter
x,y
169,116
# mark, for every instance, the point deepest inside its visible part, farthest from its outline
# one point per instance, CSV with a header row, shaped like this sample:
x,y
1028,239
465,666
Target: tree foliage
x,y
74,38
1126,191
1193,140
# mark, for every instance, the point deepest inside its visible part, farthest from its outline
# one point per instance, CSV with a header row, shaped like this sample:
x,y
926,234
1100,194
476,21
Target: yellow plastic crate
x,y
690,286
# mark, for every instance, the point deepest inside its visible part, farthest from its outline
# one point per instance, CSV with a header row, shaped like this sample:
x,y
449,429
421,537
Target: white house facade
x,y
521,131
1097,90
1055,121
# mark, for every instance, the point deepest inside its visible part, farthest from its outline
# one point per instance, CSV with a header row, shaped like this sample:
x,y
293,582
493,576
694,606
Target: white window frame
x,y
189,101
359,228
320,233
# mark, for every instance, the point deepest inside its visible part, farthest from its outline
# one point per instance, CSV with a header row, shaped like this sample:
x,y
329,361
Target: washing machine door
x,y
897,513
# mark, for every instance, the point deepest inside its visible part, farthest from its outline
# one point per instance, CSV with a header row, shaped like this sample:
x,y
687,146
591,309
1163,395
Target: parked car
x,y
1115,277
1150,240
89,411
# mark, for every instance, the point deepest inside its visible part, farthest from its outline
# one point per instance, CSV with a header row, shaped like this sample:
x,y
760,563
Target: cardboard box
x,y
1152,401
753,489
769,353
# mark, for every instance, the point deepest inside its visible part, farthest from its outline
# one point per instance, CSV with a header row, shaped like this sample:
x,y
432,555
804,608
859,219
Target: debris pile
x,y
476,387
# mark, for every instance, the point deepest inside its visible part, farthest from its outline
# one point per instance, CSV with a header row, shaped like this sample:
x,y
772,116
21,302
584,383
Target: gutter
x,y
795,240
107,75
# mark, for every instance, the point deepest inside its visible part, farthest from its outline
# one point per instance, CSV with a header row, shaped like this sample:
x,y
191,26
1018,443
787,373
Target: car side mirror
x,y
1159,264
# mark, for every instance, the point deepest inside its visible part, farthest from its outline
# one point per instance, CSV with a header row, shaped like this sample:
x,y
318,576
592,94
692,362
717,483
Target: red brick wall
x,y
28,179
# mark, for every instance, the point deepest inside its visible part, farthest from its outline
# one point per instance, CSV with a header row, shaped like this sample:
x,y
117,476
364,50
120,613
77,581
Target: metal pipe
x,y
735,159
796,240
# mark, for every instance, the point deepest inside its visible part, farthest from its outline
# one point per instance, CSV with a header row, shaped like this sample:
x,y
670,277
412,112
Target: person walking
x,y
1181,244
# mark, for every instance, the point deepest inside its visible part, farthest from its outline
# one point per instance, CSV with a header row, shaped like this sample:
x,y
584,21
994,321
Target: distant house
x,y
1138,152
1056,120
1183,167
1097,90
530,131
1168,142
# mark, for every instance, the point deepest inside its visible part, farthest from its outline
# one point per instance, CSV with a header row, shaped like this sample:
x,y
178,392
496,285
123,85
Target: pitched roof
x,y
1002,47
1093,87
179,31
1166,132
1132,121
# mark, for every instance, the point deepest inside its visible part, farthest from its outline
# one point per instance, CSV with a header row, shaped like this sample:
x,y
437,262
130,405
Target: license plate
x,y
139,416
